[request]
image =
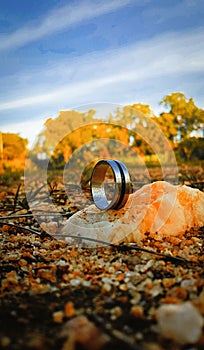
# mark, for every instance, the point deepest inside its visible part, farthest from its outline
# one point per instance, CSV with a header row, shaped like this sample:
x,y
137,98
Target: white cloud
x,y
144,72
59,19
28,129
167,56
184,8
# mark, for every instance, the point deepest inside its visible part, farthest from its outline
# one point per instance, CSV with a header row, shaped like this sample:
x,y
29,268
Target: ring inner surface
x,y
106,184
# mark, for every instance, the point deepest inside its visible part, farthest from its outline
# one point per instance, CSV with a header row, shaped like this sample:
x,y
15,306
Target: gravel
x,y
149,297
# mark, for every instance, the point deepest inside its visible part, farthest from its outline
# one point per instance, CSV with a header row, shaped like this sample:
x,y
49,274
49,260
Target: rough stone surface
x,y
181,323
160,208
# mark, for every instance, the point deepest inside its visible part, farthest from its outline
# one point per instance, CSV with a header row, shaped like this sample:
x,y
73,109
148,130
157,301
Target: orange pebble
x,y
58,316
69,310
137,311
168,282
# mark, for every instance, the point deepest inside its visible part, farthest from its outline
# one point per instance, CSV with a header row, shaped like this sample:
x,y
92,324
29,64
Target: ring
x,y
110,184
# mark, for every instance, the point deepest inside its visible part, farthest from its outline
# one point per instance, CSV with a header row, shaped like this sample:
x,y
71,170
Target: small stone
x,y
137,311
147,266
116,312
106,280
49,227
5,341
123,287
69,310
156,289
168,282
75,282
153,346
111,269
180,322
22,262
177,292
58,316
49,275
120,277
86,283
188,283
139,336
36,342
80,330
136,298
106,288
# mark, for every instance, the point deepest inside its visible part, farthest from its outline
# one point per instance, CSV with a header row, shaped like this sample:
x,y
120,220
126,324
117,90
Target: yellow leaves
x,y
87,134
13,151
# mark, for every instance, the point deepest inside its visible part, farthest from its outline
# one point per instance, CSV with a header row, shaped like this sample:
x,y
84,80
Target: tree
x,y
137,119
190,149
166,122
183,116
13,146
13,151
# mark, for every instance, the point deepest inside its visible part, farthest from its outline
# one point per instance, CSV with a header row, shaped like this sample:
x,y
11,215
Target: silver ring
x,y
110,184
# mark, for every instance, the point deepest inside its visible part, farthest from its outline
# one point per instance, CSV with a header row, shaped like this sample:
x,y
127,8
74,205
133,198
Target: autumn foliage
x,y
13,151
88,136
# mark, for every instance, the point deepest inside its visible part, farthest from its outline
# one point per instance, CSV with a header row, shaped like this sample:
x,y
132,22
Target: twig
x,y
173,259
16,197
31,195
32,215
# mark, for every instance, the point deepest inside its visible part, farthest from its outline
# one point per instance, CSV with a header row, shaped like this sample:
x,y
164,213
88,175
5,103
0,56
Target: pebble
x,y
58,316
86,283
106,288
147,266
168,282
106,280
180,322
156,290
80,330
36,341
116,312
123,287
139,336
69,310
189,284
5,341
135,299
111,269
137,311
75,282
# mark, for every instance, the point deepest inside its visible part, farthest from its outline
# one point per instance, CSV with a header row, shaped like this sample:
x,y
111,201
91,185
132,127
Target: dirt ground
x,y
63,297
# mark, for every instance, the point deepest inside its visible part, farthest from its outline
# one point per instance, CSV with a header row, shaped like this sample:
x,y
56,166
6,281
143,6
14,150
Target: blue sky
x,y
60,54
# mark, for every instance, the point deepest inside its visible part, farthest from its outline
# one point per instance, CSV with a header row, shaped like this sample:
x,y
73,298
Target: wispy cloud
x,y
162,58
184,8
59,19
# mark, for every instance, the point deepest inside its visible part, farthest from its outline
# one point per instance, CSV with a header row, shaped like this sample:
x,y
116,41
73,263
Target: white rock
x,y
159,208
180,322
